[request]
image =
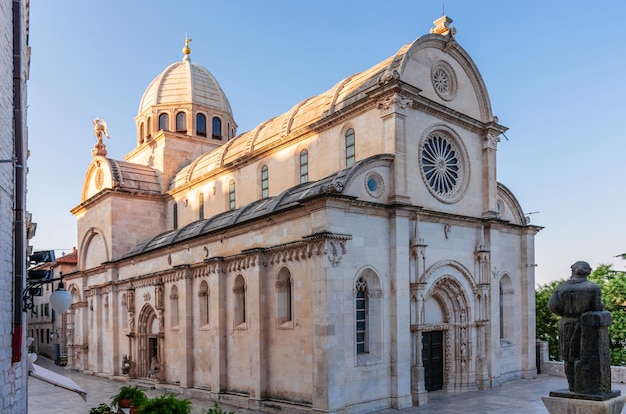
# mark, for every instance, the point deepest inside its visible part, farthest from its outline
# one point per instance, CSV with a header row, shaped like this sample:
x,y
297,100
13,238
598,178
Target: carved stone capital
x,y
491,139
395,103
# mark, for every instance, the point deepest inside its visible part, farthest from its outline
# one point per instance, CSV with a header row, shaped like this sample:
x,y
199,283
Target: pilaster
x,y
218,329
186,327
255,296
393,111
399,318
527,297
491,138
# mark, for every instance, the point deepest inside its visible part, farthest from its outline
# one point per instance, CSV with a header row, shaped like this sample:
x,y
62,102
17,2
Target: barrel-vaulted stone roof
x,y
405,66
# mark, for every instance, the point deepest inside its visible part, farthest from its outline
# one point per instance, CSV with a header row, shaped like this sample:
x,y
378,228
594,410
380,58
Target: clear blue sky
x,y
554,71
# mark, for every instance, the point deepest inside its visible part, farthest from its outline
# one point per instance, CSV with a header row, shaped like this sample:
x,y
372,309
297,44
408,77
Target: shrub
x,y
166,404
216,410
101,409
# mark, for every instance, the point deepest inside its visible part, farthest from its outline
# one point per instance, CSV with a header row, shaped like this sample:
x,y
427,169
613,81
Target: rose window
x,y
441,165
441,81
444,80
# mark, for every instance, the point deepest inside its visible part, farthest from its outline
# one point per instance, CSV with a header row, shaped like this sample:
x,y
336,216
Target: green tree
x,y
546,321
613,284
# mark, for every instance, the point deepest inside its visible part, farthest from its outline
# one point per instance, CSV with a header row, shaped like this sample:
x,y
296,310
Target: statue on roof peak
x,y
100,129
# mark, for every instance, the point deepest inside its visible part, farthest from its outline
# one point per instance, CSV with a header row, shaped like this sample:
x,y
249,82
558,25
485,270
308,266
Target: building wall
x,y
13,375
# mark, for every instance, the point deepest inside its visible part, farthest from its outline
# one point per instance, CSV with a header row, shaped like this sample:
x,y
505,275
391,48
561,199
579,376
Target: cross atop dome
x,y
186,49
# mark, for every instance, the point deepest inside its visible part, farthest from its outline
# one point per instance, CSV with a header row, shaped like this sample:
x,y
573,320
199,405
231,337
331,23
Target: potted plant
x,y
101,409
166,404
128,397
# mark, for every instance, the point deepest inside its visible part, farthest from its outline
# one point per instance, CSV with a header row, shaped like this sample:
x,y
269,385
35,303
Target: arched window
x,y
231,195
239,290
284,307
181,122
203,303
164,122
122,311
304,166
201,206
174,307
175,216
507,310
265,189
350,147
217,128
361,309
142,137
201,125
149,128
228,131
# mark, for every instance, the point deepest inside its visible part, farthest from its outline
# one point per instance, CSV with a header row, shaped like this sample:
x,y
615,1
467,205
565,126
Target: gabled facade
x,y
349,255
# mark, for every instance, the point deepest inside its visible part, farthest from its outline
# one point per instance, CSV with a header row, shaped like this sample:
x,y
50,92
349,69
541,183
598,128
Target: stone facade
x,y
352,254
13,144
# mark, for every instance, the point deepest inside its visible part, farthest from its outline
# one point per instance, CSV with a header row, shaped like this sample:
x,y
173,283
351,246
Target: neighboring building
x,y
352,254
45,326
14,67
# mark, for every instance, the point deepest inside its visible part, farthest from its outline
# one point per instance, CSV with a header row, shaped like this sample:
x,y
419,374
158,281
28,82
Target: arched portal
x,y
148,344
445,335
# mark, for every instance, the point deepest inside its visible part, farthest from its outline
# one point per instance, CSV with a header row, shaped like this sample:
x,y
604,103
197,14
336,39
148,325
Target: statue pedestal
x,y
560,405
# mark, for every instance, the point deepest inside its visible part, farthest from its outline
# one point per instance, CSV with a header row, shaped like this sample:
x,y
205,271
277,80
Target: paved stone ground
x,y
514,397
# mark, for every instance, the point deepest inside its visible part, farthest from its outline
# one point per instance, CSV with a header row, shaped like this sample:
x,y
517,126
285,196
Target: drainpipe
x,y
19,235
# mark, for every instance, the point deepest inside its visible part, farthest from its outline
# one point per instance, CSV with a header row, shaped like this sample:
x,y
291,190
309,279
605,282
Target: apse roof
x,y
134,177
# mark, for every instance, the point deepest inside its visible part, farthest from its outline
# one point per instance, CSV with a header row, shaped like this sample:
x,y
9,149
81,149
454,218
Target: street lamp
x,y
60,299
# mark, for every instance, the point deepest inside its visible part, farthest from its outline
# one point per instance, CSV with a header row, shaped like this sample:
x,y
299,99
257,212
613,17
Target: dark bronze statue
x,y
583,335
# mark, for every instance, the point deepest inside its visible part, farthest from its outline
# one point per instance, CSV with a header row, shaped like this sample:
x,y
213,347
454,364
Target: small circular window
x,y
500,206
442,166
374,184
444,81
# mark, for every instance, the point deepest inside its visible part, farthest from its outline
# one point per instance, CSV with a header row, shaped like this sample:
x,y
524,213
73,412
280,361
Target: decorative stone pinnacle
x,y
442,26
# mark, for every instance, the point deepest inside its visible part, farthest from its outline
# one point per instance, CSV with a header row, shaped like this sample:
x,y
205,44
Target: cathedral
x,y
353,254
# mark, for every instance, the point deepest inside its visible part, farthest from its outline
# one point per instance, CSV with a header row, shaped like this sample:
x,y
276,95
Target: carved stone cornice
x,y
245,261
215,265
289,252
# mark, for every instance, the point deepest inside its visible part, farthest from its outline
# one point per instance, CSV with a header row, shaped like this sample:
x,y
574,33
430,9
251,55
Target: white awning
x,y
56,379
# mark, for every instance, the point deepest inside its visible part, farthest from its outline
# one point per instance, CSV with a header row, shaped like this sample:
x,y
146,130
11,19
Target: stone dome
x,y
185,82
